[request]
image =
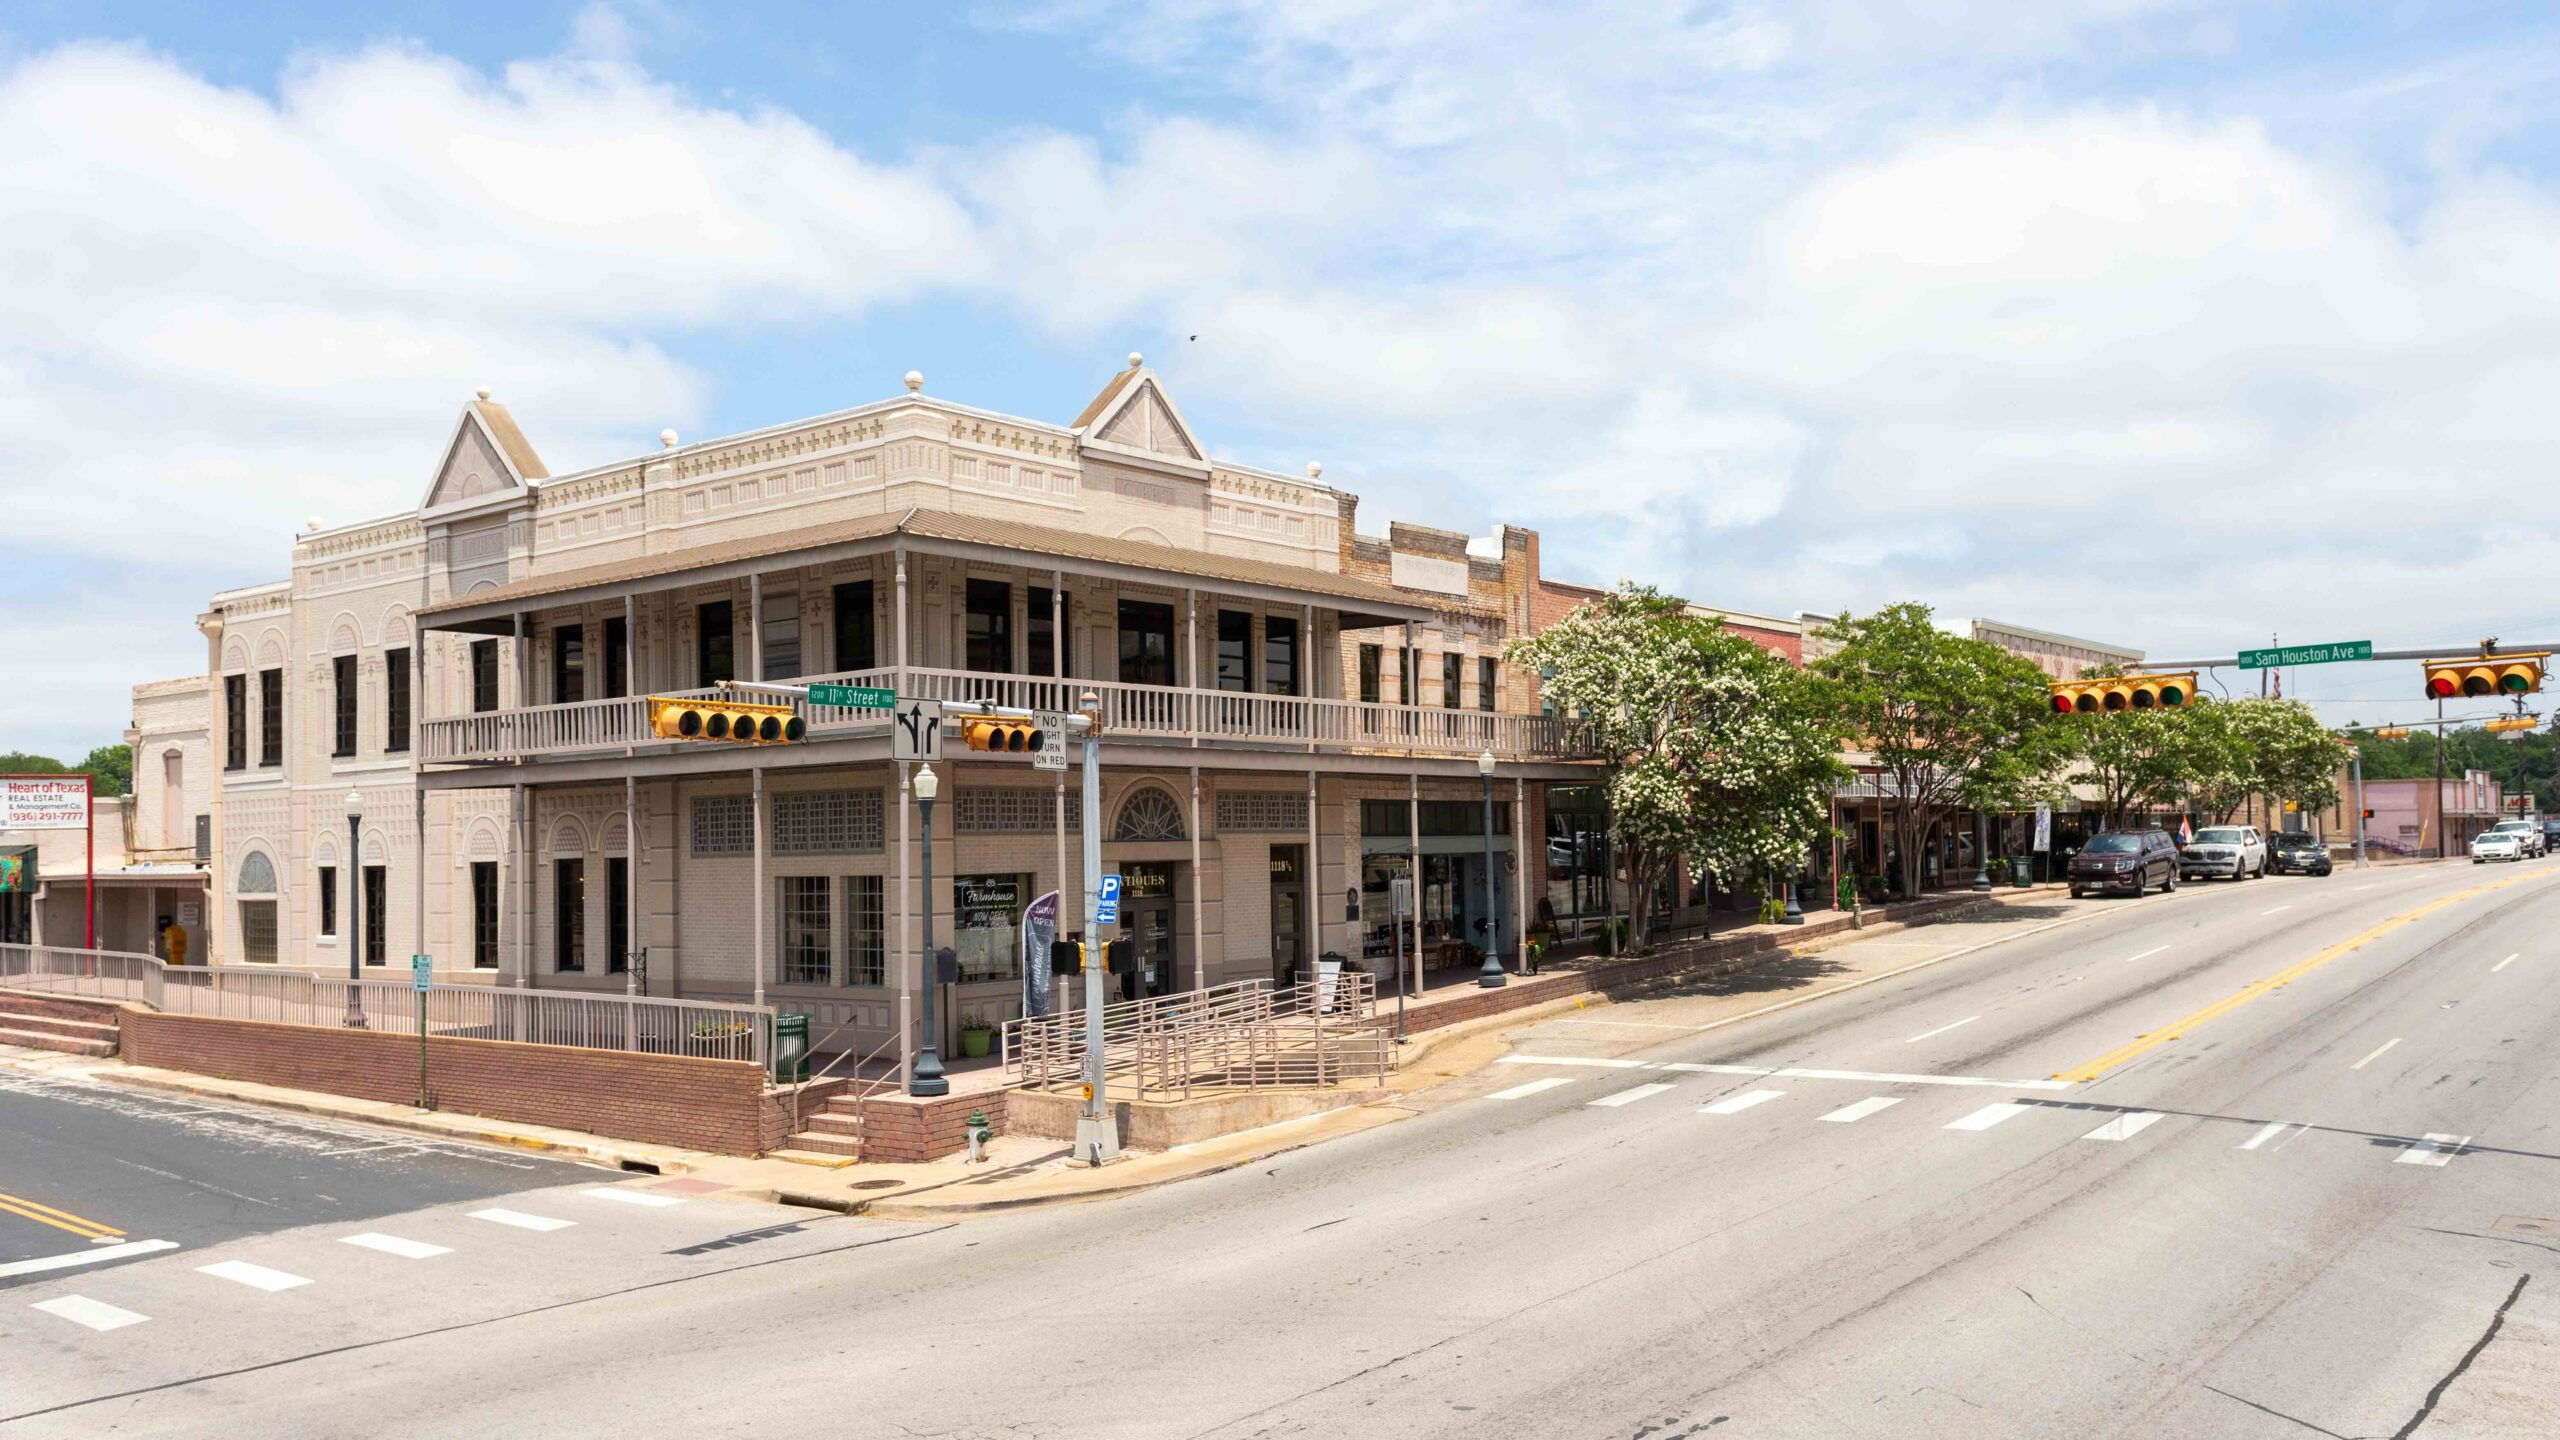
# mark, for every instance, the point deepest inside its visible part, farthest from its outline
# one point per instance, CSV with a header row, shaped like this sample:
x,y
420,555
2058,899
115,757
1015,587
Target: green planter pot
x,y
973,1043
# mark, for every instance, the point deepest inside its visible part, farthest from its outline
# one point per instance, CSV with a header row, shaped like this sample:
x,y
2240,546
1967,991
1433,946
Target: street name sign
x,y
1052,754
2306,654
915,730
1106,908
854,697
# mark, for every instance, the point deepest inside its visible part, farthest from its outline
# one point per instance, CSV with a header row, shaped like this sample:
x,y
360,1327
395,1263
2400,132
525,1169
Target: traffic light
x,y
1004,737
2486,675
738,721
2509,724
2126,692
2392,732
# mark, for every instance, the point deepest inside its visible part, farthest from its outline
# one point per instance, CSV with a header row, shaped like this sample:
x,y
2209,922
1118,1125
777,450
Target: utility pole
x,y
1097,1137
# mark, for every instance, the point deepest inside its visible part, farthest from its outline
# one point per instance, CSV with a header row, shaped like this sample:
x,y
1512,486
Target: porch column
x,y
631,853
418,834
1058,636
520,840
1413,859
1311,883
755,635
902,673
1520,873
1307,670
524,665
905,908
756,900
1191,665
1199,907
631,681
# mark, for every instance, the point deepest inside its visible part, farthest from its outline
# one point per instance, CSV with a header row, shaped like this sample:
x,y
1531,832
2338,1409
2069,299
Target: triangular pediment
x,y
487,456
1133,415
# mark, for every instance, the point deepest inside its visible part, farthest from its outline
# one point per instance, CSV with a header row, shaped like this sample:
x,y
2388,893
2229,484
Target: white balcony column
x,y
1199,906
1058,634
1311,884
631,851
1191,657
755,634
524,665
1306,668
520,840
631,683
1413,860
902,671
1408,671
757,903
905,907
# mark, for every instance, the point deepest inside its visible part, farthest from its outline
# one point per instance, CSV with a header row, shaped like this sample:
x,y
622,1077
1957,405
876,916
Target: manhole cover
x,y
2525,1225
875,1184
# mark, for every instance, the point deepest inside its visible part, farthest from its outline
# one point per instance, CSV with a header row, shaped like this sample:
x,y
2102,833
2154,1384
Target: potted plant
x,y
975,1038
1999,871
1533,952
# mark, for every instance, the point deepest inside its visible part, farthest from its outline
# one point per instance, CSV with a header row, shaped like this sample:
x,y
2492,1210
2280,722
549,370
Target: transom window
x,y
1150,815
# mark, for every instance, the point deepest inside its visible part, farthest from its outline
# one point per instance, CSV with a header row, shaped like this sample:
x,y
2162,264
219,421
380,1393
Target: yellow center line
x,y
2180,1026
58,1219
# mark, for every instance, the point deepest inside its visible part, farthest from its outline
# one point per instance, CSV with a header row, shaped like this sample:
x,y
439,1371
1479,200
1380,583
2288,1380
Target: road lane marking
x,y
2276,911
2376,1055
2503,964
1871,1077
2266,1132
394,1245
44,1214
1523,1092
96,1314
256,1277
2124,1127
643,1197
1988,1116
2175,1029
1941,1030
1576,1060
2145,955
1630,1096
2433,1150
86,1257
1847,1114
1736,1104
521,1220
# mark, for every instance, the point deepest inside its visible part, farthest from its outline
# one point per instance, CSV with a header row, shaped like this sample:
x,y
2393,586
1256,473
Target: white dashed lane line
x,y
2124,1127
90,1256
521,1220
256,1277
1846,1114
2265,1133
2147,954
95,1314
637,1197
1630,1096
1941,1030
1736,1104
2503,964
1988,1116
394,1245
2377,1053
1523,1092
2433,1150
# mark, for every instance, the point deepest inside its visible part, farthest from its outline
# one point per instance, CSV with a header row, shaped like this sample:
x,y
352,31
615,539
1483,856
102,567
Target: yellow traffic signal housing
x,y
2519,674
737,721
2392,732
2127,692
2508,724
1003,737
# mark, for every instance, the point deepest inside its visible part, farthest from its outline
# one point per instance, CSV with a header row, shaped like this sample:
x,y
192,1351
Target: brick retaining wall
x,y
904,1130
714,1105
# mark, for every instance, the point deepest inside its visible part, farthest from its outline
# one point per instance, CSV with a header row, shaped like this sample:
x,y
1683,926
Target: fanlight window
x,y
257,875
1149,815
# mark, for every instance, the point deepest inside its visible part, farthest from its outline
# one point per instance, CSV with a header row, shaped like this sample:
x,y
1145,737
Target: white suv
x,y
2528,834
2233,851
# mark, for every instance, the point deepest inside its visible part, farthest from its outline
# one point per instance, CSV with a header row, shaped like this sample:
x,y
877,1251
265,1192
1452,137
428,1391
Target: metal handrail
x,y
1246,1035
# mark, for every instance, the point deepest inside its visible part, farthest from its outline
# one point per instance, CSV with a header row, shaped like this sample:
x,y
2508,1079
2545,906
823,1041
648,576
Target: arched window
x,y
1150,814
173,799
257,891
257,875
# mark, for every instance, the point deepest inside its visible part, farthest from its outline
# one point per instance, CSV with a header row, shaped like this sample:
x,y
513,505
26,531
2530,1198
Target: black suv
x,y
2127,860
2292,854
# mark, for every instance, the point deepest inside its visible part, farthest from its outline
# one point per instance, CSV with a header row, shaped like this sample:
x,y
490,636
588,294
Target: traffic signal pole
x,y
2355,757
1097,1134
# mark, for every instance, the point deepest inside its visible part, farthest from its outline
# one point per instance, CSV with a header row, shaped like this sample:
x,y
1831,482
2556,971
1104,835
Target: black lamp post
x,y
926,1077
1491,977
355,916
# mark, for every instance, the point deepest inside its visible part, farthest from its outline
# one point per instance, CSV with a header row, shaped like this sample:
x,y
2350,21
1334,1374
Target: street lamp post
x,y
1981,851
1491,977
925,1077
355,915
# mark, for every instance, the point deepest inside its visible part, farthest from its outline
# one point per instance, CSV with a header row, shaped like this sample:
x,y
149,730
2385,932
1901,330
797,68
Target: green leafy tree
x,y
1713,747
113,765
2291,755
2144,760
19,762
1951,721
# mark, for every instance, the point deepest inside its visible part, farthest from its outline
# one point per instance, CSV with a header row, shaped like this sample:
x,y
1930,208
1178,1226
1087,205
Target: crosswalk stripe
x,y
256,1277
1736,1104
96,1314
1630,1096
394,1245
1523,1092
2433,1150
631,1197
1988,1116
95,1255
2124,1127
521,1220
2266,1132
1864,1108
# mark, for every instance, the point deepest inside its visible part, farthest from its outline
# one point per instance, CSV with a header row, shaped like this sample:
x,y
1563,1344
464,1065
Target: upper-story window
x,y
568,664
1235,650
1041,643
779,646
342,686
235,722
1371,657
990,627
1408,666
395,700
1146,643
271,717
715,644
1484,682
484,676
857,629
617,657
1279,655
1453,671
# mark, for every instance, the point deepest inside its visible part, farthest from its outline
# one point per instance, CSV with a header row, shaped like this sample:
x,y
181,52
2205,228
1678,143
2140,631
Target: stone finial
x,y
667,438
311,524
1315,469
915,381
484,392
1136,359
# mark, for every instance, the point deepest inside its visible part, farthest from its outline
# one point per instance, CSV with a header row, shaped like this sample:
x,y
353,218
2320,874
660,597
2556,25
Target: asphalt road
x,y
2305,1182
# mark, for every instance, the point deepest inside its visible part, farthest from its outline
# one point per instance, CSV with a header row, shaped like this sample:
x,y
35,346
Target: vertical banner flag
x,y
1039,931
2044,827
2186,834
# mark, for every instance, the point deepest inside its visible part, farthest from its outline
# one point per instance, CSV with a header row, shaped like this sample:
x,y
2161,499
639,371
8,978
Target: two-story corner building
x,y
433,737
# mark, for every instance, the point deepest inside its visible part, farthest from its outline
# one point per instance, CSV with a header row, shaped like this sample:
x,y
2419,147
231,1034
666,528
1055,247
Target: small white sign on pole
x,y
1052,754
44,803
915,730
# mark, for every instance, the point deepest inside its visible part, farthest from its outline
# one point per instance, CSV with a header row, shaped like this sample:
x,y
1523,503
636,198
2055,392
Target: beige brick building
x,y
431,737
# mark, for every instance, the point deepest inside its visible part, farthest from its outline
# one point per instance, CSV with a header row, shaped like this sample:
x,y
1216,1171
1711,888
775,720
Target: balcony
x,y
1158,713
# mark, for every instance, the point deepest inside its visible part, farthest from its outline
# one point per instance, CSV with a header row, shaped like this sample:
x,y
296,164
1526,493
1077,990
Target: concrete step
x,y
849,1146
11,1019
812,1157
830,1122
48,1040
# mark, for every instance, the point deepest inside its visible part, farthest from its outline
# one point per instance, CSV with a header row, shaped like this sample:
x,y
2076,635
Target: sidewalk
x,y
1746,972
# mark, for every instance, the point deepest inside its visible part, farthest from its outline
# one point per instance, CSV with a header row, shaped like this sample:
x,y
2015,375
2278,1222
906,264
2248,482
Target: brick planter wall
x,y
61,1007
714,1105
901,1129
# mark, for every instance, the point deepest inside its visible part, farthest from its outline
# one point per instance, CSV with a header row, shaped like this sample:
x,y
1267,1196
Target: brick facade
x,y
900,1129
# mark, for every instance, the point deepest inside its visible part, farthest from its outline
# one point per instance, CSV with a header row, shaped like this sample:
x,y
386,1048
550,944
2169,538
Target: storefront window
x,y
1577,858
988,913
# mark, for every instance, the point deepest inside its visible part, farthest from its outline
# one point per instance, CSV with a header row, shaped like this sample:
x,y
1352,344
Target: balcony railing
x,y
1151,712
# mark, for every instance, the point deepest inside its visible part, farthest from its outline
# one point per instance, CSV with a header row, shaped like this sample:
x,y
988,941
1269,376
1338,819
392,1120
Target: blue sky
x,y
2165,322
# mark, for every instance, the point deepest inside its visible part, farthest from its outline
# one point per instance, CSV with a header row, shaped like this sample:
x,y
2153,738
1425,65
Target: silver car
x,y
2234,852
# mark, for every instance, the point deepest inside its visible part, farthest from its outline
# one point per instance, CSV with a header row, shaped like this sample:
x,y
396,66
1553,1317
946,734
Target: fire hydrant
x,y
979,1131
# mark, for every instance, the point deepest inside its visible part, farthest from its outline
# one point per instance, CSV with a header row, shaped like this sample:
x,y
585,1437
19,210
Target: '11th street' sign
x,y
2306,655
858,697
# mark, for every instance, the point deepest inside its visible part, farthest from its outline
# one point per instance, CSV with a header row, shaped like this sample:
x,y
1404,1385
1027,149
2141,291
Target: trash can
x,y
791,1046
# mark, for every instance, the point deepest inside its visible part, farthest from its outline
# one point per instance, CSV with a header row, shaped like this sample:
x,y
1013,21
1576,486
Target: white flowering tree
x,y
1715,748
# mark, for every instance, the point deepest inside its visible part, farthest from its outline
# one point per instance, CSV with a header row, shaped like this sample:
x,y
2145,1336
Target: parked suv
x,y
2550,833
2528,834
2290,852
2235,852
2126,860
